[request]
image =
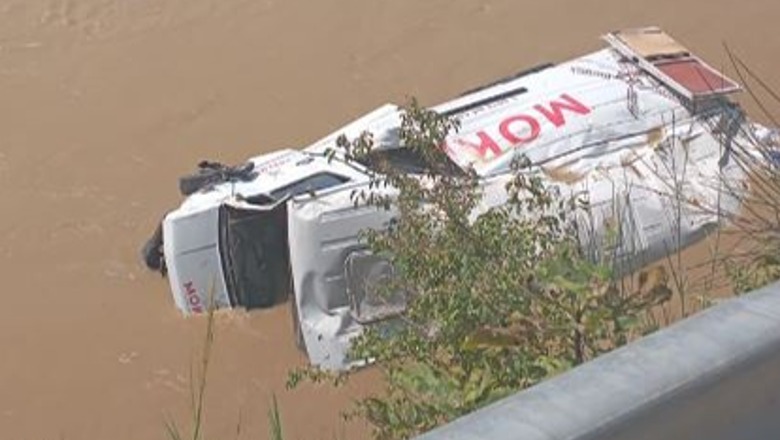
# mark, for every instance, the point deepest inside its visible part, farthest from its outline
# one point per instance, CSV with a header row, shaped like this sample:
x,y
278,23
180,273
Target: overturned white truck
x,y
642,126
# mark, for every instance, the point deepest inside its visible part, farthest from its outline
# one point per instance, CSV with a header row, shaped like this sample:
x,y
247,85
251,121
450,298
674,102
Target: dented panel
x,y
323,232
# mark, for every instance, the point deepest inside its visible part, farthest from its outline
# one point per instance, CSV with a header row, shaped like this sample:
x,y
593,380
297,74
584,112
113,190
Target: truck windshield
x,y
407,161
314,182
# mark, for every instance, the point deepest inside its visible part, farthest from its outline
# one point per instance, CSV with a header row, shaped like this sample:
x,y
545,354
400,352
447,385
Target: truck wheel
x,y
151,252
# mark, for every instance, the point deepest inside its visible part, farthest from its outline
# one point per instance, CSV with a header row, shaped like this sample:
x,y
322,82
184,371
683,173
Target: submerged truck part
x,y
660,164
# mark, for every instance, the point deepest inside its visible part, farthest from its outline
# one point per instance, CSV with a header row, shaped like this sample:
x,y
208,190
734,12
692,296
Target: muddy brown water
x,y
103,103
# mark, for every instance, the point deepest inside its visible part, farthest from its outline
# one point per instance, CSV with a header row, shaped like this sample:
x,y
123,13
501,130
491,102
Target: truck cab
x,y
227,245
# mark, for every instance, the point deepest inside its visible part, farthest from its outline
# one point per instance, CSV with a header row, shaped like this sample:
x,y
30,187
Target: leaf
x,y
490,339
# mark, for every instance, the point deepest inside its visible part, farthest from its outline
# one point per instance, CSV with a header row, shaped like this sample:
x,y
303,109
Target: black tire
x,y
152,253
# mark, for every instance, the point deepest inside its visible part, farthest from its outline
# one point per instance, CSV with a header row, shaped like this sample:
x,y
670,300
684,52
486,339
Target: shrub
x,y
497,298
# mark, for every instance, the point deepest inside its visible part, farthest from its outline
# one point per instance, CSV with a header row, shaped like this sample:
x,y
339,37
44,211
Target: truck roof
x,y
550,114
563,115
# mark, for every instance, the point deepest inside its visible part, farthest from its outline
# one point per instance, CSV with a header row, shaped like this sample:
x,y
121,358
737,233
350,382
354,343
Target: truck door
x,y
324,235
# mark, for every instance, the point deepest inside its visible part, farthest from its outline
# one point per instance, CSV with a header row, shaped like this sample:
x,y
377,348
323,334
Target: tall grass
x,y
752,261
275,421
199,382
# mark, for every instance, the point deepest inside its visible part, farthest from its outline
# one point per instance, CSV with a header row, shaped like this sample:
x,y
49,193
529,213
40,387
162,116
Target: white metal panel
x,y
191,249
323,231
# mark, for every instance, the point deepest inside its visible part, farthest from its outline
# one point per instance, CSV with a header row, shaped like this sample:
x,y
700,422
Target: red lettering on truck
x,y
193,300
513,135
485,144
517,129
555,113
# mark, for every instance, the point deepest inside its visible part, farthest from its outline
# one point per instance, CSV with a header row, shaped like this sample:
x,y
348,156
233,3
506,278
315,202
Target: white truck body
x,y
597,125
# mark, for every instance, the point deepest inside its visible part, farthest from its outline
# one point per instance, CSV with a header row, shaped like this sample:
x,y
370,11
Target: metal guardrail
x,y
713,376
